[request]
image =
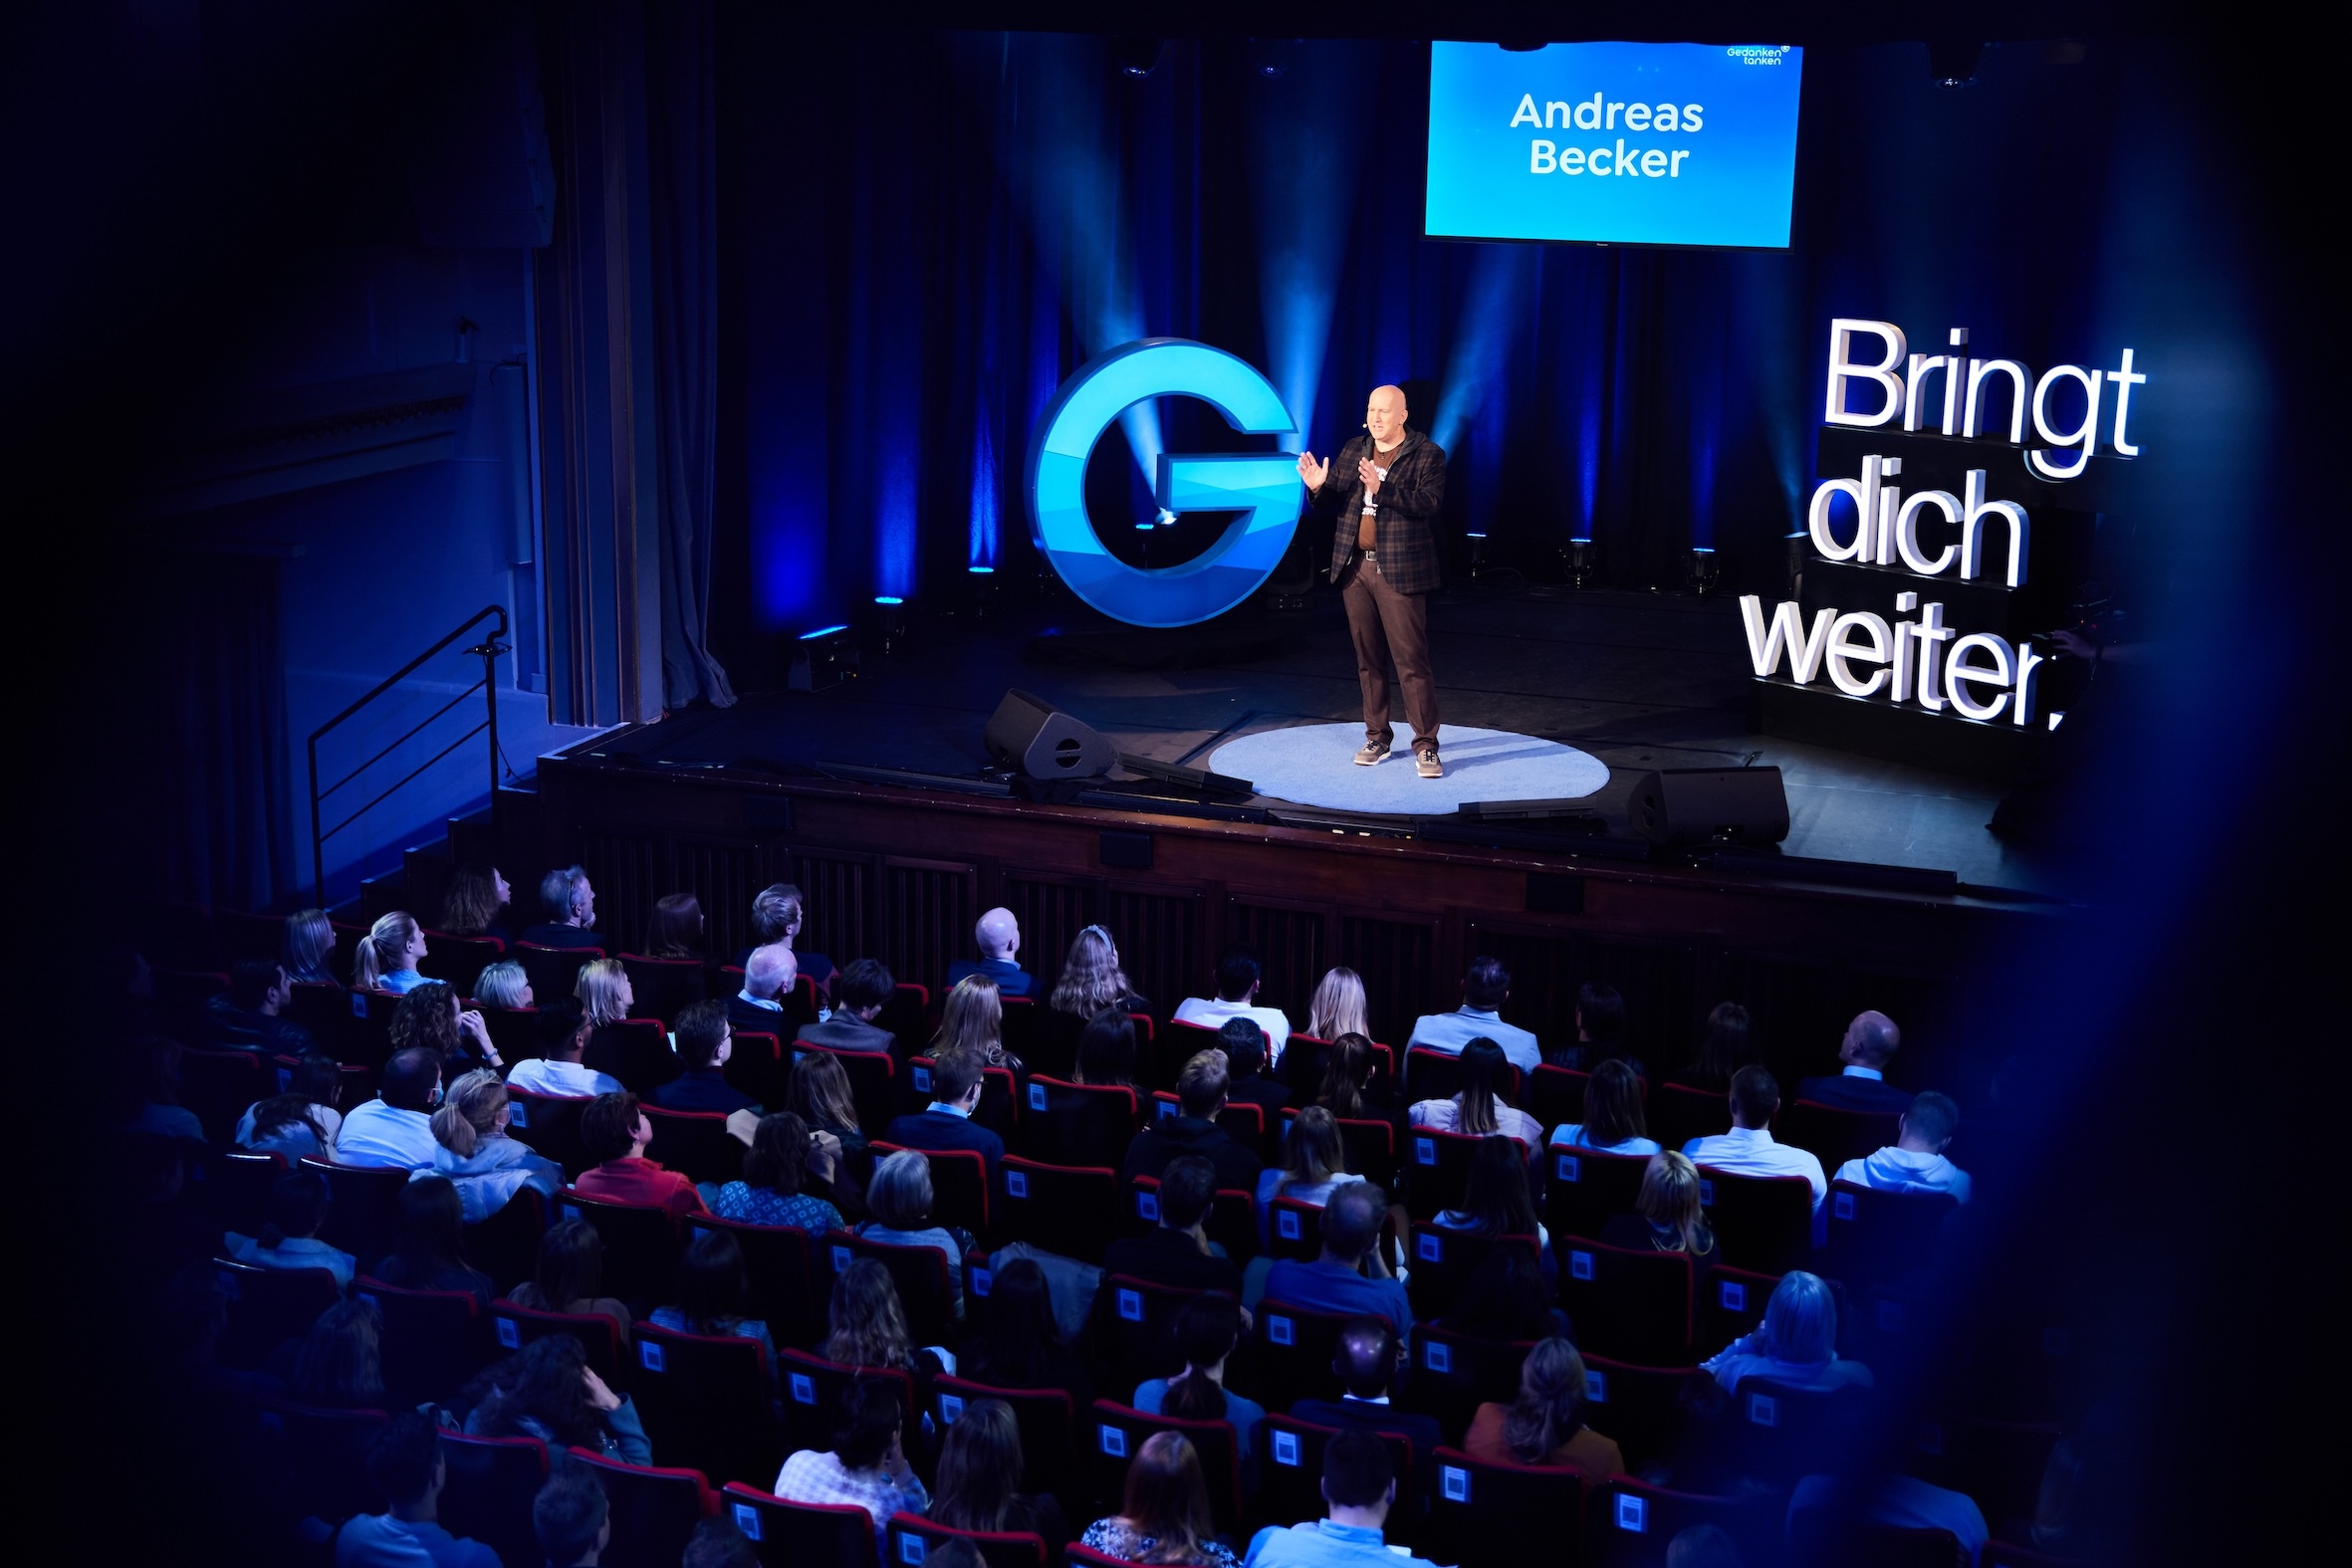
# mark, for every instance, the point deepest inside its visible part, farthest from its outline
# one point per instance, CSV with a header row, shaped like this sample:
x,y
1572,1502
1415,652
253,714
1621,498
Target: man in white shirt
x,y
1748,1149
1237,996
396,1127
1915,1163
1484,991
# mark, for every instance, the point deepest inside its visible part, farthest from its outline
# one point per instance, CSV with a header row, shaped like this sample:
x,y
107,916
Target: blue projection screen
x,y
1617,144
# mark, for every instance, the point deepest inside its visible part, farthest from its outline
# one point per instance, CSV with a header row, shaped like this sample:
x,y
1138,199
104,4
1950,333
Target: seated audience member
x,y
1797,1344
563,1033
998,936
1244,1044
775,1169
431,1250
1165,1514
867,1465
1507,1297
864,1324
1206,1329
388,956
973,1019
605,994
1020,1346
339,1365
1667,1217
1347,1089
1176,1251
614,1130
1481,1107
312,1092
1359,1487
947,1122
1096,1129
1366,1360
711,1293
676,928
1748,1149
1200,1096
1237,998
404,1464
980,1478
1600,1031
1822,1504
817,1088
1546,1424
1315,1164
1338,1006
859,994
147,1077
1350,1278
1915,1163
1702,1546
1613,1119
704,1042
571,1517
570,905
307,954
1870,1042
396,1127
1106,1052
1727,1046
505,985
1092,978
757,1006
570,1273
776,923
476,904
899,1196
1495,1196
548,1390
247,1016
718,1542
429,1018
482,1165
1484,991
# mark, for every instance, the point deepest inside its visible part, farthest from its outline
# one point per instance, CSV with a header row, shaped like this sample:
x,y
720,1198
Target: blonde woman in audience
x,y
605,992
388,955
1797,1344
309,953
1546,1424
504,984
1667,1217
973,1019
1092,978
474,1152
1315,1164
1338,1006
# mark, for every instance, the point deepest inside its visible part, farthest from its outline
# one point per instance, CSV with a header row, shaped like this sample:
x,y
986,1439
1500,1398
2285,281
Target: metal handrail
x,y
488,651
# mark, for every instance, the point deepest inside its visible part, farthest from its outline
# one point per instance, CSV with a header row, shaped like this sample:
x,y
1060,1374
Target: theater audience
x,y
568,904
1915,1161
859,994
978,1479
1484,991
396,1127
867,1465
1347,1089
1748,1149
704,1044
303,1115
1348,1278
1244,1044
430,1254
1544,1425
1020,1345
775,1172
604,992
1702,1546
308,955
1600,1031
899,1196
998,936
1481,1108
1667,1217
504,984
1338,1006
1106,1052
339,1365
1613,1119
1727,1046
1176,1253
973,1019
570,1273
1200,1096
1797,1344
1206,1329
946,1123
1496,1200
405,1466
1238,978
718,1542
614,1130
757,1006
548,1390
1870,1042
1821,1507
247,1016
776,923
1092,978
480,1165
675,931
1314,1164
1164,1516
866,1326
817,1089
571,1518
1507,1298
429,1018
711,1293
1366,1359
146,1070
564,1035
388,956
1359,1486
476,904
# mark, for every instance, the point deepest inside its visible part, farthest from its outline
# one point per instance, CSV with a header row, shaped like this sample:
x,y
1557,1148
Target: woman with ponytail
x,y
473,1151
389,955
1205,1332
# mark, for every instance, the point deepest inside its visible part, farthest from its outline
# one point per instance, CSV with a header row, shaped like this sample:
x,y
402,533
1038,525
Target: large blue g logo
x,y
1263,486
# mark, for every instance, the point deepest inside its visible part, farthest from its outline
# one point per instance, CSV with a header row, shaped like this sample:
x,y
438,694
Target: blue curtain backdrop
x,y
929,231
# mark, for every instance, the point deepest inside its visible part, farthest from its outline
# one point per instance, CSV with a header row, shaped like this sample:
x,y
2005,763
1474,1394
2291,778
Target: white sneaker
x,y
1425,764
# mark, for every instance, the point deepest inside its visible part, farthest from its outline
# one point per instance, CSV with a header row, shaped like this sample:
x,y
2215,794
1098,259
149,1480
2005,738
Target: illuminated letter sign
x,y
1263,486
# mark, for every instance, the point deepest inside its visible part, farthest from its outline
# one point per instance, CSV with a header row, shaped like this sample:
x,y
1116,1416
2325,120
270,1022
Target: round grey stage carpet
x,y
1311,765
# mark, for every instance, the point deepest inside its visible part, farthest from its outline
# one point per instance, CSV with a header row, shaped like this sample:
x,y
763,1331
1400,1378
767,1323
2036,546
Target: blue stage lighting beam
x,y
1493,307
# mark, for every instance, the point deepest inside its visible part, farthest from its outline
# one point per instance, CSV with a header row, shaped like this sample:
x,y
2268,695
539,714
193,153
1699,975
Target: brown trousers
x,y
1382,623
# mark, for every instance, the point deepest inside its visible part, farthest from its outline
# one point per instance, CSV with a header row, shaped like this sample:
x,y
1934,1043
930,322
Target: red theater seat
x,y
652,1509
800,1534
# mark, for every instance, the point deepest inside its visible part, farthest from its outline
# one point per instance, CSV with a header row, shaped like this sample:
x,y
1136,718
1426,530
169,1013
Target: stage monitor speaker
x,y
1689,806
1031,734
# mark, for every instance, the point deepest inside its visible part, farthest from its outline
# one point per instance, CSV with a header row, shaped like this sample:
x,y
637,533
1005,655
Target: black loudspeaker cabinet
x,y
1031,734
1688,805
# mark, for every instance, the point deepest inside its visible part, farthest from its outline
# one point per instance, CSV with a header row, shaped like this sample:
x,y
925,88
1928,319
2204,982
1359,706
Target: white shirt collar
x,y
1469,1012
758,1002
1358,1399
1865,1073
1751,1134
952,1110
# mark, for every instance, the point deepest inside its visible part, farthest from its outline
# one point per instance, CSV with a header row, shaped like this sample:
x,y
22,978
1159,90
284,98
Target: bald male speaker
x,y
1387,485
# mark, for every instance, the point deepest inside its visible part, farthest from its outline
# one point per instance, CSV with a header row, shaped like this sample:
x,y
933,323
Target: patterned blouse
x,y
739,1201
1113,1538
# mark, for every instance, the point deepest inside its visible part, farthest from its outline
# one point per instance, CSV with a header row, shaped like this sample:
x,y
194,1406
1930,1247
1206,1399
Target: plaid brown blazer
x,y
1410,500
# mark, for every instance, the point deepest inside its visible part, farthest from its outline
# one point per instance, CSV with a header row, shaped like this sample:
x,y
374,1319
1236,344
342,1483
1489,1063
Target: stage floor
x,y
1636,680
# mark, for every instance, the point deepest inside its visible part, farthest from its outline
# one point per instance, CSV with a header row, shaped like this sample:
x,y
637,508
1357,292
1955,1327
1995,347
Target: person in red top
x,y
615,1133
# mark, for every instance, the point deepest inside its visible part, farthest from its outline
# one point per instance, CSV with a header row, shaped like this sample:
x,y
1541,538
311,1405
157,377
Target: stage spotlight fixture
x,y
1477,554
1953,62
980,571
1799,550
822,658
1136,56
890,611
1704,568
1582,558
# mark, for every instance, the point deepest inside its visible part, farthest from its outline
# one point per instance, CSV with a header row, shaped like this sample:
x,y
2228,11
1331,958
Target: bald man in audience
x,y
764,1003
1870,1042
998,936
